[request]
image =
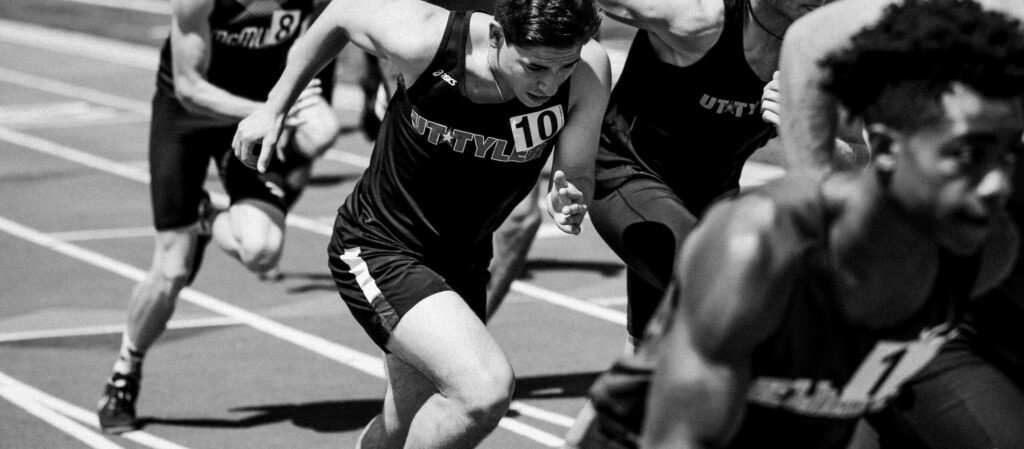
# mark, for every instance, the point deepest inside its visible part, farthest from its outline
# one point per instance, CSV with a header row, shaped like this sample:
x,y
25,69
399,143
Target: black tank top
x,y
818,373
692,127
445,171
250,42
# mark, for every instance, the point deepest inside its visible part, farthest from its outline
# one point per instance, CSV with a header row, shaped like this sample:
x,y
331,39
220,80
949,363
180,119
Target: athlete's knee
x,y
487,399
259,252
319,132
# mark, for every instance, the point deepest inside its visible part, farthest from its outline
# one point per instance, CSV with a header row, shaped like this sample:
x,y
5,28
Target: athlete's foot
x,y
117,406
207,213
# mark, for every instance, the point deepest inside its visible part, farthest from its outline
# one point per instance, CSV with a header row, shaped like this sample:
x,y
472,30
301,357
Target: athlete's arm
x,y
730,300
572,185
191,47
407,32
688,27
809,114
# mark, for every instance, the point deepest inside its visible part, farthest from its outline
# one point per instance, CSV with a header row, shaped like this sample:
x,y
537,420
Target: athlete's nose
x,y
995,186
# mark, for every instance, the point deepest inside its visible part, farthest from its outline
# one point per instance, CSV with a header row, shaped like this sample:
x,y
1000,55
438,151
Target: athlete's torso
x,y
692,127
250,40
818,373
445,171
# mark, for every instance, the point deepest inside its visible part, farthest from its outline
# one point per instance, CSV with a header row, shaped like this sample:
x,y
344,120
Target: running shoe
x,y
117,406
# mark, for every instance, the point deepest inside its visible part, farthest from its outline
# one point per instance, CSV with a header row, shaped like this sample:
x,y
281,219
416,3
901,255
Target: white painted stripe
x,y
73,91
79,414
80,45
357,267
347,97
366,363
150,6
610,302
8,337
104,234
569,302
533,433
61,422
541,414
308,224
345,157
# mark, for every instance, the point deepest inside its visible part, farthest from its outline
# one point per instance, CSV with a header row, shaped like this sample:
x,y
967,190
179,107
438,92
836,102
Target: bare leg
x,y
439,398
512,243
252,232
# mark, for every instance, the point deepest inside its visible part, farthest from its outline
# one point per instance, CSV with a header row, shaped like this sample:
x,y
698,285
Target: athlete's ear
x,y
882,142
496,35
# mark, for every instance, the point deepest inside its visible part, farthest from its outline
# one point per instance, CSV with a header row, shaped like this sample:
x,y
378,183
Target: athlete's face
x,y
536,73
954,175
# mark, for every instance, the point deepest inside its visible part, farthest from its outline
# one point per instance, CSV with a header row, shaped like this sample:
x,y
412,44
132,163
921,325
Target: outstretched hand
x,y
565,204
263,129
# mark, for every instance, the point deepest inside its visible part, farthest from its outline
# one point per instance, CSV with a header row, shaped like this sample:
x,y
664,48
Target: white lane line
x,y
73,91
346,97
309,224
363,362
104,234
8,337
57,420
345,157
150,6
66,409
80,45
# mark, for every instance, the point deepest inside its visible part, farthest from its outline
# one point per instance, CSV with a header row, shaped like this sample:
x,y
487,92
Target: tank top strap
x,y
451,53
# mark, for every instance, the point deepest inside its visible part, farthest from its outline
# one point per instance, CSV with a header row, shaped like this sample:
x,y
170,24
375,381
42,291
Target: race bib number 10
x,y
535,128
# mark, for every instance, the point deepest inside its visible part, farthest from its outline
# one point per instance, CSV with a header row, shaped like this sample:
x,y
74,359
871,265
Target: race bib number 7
x,y
535,128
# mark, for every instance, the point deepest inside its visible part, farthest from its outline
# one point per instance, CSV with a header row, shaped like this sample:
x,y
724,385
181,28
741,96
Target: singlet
x,y
446,171
250,42
816,357
691,127
818,374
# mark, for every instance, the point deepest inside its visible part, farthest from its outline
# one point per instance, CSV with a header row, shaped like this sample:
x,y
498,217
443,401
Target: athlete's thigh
x,y
644,222
317,130
959,401
421,341
177,164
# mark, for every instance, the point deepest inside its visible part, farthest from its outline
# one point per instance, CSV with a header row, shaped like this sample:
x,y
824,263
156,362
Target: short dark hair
x,y
896,71
547,23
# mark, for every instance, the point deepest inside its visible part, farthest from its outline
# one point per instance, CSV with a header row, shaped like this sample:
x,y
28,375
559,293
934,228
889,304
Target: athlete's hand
x,y
770,101
256,138
565,204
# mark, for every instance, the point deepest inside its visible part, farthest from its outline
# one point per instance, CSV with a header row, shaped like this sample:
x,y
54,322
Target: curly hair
x,y
547,23
896,71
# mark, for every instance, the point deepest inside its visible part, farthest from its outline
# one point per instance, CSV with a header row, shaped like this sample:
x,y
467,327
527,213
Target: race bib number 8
x,y
889,365
284,24
535,128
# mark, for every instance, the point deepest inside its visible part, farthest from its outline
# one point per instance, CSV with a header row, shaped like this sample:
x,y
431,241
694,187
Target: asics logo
x,y
446,77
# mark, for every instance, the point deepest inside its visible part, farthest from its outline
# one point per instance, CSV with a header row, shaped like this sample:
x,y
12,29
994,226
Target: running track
x,y
246,364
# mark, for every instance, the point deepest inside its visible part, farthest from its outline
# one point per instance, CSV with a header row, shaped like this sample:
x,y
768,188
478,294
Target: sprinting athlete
x,y
972,394
804,305
217,66
481,103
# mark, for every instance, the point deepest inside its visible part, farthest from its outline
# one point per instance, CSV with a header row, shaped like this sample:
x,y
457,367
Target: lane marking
x,y
57,420
104,234
150,6
85,331
70,90
347,356
308,224
68,410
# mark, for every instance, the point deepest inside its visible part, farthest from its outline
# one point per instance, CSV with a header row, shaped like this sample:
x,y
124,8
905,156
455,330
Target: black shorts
x,y
181,146
380,279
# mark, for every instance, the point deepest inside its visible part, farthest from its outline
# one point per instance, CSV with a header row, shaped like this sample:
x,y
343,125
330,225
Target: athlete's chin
x,y
533,100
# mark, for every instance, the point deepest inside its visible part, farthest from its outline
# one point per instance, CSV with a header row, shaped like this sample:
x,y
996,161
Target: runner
x,y
481,103
218,64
